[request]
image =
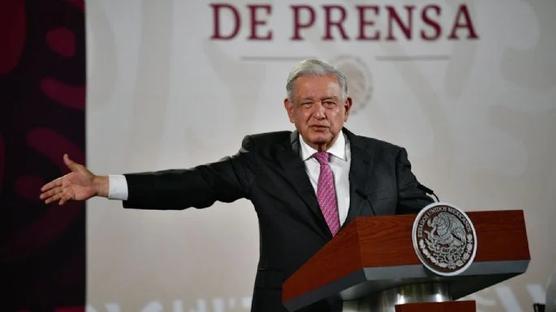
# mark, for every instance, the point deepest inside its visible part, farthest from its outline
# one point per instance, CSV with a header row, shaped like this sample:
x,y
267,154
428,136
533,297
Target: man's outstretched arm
x,y
79,184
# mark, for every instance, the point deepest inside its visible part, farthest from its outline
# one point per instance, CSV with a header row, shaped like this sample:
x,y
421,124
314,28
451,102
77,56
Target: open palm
x,y
79,184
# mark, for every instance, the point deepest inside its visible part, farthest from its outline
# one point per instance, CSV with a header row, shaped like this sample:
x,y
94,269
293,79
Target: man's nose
x,y
318,110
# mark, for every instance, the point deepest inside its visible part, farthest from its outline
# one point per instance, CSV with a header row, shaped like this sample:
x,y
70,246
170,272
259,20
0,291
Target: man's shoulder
x,y
269,137
267,140
369,143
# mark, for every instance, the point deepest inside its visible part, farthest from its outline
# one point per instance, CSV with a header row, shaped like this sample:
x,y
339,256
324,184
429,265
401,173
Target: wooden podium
x,y
372,266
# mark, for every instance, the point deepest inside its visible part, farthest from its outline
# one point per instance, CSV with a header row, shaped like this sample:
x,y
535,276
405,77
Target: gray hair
x,y
314,67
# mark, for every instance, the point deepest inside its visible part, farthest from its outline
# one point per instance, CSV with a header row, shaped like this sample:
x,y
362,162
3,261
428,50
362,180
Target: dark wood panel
x,y
450,306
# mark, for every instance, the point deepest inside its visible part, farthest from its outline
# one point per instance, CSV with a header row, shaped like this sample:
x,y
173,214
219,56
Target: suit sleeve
x,y
411,198
226,180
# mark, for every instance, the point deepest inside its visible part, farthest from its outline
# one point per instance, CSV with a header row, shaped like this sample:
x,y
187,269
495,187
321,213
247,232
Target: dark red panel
x,y
42,100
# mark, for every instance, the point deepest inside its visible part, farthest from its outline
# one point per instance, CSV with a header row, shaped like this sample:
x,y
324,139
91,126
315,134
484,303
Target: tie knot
x,y
322,157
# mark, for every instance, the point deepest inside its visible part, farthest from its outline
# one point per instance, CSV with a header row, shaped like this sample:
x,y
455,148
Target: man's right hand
x,y
79,184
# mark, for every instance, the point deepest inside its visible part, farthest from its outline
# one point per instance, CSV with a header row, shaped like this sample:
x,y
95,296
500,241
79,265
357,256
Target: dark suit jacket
x,y
268,171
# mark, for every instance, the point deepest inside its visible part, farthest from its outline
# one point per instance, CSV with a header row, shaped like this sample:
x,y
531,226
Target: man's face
x,y
318,110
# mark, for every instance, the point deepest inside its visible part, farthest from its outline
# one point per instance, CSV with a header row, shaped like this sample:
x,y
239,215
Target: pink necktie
x,y
326,193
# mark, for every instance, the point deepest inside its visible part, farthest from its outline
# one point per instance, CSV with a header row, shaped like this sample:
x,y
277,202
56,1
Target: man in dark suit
x,y
305,185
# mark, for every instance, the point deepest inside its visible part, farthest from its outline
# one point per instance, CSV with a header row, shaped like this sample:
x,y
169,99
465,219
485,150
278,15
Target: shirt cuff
x,y
117,187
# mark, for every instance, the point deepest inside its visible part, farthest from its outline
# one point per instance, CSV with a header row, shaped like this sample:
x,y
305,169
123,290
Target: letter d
x,y
217,33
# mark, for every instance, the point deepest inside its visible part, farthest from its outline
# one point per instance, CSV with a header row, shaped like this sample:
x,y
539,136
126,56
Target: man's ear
x,y
347,105
289,109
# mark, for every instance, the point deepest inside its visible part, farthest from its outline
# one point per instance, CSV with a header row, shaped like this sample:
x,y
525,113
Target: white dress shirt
x,y
339,163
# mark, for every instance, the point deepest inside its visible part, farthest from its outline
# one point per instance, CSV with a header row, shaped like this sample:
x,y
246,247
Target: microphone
x,y
427,191
365,197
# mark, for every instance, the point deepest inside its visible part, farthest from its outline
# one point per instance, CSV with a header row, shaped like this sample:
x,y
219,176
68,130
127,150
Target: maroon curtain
x,y
42,115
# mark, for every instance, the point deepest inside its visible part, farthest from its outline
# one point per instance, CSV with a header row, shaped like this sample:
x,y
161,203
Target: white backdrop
x,y
477,116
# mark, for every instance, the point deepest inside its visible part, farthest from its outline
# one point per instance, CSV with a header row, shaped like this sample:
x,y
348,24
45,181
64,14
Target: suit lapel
x,y
294,171
361,164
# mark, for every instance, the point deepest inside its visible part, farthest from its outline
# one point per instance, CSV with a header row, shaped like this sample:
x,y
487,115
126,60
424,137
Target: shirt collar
x,y
338,149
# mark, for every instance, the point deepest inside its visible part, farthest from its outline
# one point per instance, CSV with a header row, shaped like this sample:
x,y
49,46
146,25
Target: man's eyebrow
x,y
329,98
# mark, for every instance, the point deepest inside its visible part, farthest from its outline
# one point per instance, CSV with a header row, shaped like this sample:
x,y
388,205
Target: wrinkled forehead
x,y
316,86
